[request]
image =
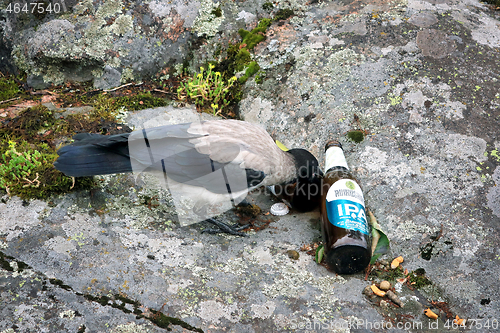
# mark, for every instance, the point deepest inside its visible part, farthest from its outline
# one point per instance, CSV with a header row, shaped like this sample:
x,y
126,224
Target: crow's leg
x,y
222,227
225,228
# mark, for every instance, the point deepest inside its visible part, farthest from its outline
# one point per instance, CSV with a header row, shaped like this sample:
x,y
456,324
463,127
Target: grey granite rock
x,y
427,99
110,78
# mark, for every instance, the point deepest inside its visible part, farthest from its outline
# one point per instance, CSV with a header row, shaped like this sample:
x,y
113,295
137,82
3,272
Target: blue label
x,y
347,214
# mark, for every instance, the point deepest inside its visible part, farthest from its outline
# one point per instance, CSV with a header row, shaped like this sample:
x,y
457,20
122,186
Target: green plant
x,y
283,14
267,6
217,12
8,88
19,168
259,78
26,170
257,35
418,279
205,88
356,136
495,3
252,68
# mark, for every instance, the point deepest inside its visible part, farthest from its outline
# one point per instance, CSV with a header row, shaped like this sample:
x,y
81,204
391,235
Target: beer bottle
x,y
346,233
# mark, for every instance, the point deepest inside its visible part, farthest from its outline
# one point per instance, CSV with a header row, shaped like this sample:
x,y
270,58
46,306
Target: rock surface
x,y
420,77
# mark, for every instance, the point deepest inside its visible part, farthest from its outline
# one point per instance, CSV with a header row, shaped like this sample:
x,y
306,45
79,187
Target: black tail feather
x,y
94,154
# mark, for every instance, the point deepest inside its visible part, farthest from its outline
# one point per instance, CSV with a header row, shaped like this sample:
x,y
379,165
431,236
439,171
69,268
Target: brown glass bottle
x,y
346,233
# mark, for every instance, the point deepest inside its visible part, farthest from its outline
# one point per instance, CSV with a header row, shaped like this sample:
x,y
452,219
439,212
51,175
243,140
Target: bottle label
x,y
334,156
345,206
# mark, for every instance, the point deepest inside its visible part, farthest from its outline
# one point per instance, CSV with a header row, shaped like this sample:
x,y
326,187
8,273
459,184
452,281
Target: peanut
x,y
458,321
377,291
428,312
395,263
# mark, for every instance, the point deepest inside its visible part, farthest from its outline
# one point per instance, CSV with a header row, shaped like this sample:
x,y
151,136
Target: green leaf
x,y
320,251
380,241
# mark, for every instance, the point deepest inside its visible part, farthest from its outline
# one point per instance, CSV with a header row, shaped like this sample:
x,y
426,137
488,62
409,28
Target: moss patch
x,y
12,91
217,12
139,102
252,68
160,320
28,124
390,275
26,170
259,78
283,14
108,105
119,301
256,35
356,136
418,279
28,140
236,59
267,6
495,3
8,89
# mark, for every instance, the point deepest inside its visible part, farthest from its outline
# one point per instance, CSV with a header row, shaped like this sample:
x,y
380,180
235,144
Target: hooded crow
x,y
208,166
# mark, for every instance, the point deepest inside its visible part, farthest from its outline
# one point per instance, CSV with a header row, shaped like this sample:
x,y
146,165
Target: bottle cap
x,y
333,143
279,209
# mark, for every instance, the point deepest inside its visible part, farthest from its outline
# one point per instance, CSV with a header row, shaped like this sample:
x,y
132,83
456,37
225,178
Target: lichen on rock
x,y
209,19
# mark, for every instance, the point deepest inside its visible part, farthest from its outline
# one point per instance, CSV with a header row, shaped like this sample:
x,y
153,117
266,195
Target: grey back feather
x,y
209,154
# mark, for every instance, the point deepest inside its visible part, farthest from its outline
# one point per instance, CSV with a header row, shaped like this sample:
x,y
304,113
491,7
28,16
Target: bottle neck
x,y
334,157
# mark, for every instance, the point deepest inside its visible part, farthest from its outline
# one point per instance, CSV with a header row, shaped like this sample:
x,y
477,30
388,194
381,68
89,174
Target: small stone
x,y
393,297
368,291
423,20
293,254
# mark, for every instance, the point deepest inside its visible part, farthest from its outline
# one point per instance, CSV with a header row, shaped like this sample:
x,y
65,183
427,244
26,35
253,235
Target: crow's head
x,y
307,165
308,185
